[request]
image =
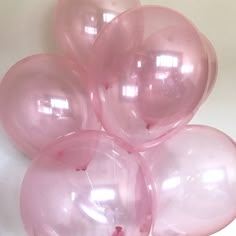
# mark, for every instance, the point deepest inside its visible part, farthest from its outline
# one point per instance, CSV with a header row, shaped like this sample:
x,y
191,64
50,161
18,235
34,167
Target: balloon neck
x,y
118,231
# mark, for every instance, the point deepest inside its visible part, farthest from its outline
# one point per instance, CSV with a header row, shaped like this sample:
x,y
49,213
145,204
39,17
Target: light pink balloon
x,y
195,182
42,98
108,196
79,22
212,65
147,74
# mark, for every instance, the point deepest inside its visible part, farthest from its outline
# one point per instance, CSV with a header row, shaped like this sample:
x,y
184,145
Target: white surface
x,y
26,27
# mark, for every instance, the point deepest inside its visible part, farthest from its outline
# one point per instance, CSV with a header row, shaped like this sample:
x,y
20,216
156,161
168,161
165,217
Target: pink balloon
x,y
42,98
212,65
195,182
108,196
78,22
146,85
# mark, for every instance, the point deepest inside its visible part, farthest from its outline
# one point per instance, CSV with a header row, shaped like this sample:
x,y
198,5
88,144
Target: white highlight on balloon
x,y
213,176
171,183
102,195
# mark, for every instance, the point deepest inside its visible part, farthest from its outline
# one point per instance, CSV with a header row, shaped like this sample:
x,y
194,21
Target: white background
x,y
26,27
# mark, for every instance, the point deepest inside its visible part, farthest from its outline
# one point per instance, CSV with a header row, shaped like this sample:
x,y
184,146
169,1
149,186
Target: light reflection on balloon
x,y
146,85
79,22
42,98
61,195
195,182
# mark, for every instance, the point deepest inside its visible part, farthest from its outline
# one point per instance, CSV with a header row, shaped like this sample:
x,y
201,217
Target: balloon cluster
x,y
141,76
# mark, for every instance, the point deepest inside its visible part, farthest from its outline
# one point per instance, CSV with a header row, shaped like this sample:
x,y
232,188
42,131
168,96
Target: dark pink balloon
x,y
212,65
147,74
42,98
87,184
195,182
79,22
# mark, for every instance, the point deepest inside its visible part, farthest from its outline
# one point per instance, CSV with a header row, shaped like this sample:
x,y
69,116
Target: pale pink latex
x,y
42,98
78,22
195,182
147,74
212,66
87,184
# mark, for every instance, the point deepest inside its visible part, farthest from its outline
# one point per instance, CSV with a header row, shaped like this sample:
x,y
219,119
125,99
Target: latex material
x,y
147,75
78,23
86,184
195,182
212,65
42,98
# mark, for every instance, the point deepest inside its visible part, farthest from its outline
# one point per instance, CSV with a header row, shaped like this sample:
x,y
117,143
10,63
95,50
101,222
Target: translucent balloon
x,y
212,66
87,184
146,85
195,182
78,23
42,98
